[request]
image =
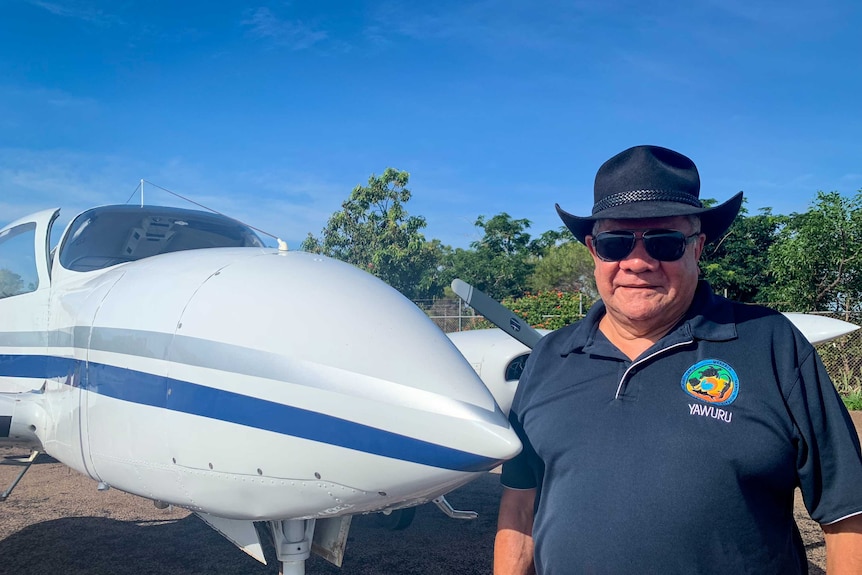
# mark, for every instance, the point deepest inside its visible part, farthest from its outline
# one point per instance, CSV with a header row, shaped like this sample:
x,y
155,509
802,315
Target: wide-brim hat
x,y
651,182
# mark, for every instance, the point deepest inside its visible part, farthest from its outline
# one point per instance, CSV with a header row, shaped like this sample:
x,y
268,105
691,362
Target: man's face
x,y
641,289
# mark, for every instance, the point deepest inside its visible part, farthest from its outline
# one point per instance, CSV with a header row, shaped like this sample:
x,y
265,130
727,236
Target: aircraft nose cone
x,y
304,386
358,365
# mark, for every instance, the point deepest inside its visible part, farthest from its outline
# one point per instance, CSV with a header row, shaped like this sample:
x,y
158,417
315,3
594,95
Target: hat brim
x,y
714,221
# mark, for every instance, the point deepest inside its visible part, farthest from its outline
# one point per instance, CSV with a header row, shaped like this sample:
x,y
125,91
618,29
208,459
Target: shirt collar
x,y
710,317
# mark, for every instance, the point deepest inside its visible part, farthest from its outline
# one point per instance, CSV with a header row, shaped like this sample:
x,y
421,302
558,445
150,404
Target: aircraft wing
x,y
818,328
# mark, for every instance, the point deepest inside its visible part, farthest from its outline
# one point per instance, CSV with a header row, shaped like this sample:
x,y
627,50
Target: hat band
x,y
634,196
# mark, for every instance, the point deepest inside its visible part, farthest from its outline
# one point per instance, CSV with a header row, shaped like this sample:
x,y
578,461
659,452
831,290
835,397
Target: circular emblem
x,y
711,381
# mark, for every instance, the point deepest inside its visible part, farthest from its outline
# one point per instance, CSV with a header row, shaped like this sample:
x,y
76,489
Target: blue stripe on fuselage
x,y
186,397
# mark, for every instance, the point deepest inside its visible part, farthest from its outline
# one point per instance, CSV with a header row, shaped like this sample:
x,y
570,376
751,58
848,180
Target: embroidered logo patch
x,y
712,381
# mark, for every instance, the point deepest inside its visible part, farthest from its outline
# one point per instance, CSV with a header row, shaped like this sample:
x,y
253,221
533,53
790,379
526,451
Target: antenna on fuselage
x,y
184,198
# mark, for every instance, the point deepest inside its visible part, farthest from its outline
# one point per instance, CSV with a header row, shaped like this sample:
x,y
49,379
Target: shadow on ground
x,y
433,545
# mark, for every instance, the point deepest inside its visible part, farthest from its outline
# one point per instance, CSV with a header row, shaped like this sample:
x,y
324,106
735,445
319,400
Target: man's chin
x,y
642,306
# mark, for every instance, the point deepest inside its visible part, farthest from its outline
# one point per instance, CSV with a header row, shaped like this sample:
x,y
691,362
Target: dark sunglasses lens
x,y
614,246
665,246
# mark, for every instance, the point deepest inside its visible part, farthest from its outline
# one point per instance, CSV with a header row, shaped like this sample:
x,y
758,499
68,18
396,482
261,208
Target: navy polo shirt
x,y
686,459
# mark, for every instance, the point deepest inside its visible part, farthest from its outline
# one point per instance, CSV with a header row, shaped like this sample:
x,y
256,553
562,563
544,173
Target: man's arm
x,y
843,546
513,546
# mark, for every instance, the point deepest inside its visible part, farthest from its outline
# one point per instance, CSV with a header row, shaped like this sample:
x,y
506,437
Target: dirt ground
x,y
56,522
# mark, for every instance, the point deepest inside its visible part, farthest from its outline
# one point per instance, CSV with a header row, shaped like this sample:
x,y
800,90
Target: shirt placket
x,y
641,361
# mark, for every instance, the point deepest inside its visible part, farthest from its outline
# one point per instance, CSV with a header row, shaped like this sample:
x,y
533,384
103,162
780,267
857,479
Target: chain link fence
x,y
842,356
452,314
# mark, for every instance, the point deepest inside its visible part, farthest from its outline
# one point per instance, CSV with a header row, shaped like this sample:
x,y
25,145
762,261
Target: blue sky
x,y
272,112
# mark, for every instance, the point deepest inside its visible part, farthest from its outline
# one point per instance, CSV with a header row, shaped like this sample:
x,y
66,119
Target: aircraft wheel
x,y
397,520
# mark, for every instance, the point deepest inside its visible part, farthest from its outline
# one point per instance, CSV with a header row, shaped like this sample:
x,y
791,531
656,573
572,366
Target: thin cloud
x,y
17,97
777,13
296,35
78,11
289,205
490,24
45,176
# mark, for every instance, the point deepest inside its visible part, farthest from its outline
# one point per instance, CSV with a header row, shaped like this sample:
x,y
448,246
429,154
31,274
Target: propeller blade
x,y
494,312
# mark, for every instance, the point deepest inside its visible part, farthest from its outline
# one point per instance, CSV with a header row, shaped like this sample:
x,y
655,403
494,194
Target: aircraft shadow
x,y
433,545
17,459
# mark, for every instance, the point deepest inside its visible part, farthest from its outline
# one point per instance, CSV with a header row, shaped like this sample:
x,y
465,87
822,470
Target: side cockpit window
x,y
516,367
18,274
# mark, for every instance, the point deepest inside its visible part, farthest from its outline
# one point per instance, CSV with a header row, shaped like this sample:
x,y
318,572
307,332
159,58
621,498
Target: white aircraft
x,y
165,352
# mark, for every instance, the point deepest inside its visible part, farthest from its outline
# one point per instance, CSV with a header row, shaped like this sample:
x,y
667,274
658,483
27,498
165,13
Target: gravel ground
x,y
57,522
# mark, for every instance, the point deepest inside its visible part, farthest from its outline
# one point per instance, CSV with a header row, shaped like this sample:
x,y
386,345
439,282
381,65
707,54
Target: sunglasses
x,y
663,245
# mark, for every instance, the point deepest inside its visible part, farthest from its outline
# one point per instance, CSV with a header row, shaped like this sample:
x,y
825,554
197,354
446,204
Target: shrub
x,y
853,401
549,309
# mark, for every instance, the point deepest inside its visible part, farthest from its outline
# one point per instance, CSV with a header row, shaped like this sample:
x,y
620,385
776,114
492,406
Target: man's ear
x,y
699,245
588,240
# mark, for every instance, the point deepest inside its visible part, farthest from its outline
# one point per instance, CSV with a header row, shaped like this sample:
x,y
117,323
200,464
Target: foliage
x,y
737,263
549,309
567,267
498,264
853,401
503,235
816,264
551,239
374,232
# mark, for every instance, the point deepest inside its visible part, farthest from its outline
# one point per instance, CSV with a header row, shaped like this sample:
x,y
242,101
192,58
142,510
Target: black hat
x,y
651,182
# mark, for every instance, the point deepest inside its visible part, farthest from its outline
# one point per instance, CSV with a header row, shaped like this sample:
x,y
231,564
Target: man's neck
x,y
633,338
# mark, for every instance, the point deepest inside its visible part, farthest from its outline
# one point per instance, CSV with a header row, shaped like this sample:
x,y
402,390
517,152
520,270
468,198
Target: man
x,y
667,430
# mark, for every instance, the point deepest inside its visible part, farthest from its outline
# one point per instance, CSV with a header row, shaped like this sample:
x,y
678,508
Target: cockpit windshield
x,y
109,235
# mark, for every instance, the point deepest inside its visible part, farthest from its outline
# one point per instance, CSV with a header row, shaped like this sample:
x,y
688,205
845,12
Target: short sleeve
x,y
518,473
829,463
524,470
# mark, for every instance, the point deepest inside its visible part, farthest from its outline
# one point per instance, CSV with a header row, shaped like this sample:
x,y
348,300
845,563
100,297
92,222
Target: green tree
x,y
503,235
737,263
374,232
567,267
498,264
816,263
551,239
